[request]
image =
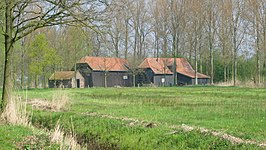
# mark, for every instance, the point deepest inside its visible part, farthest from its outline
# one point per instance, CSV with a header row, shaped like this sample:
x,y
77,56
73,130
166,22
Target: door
x,y
89,80
78,83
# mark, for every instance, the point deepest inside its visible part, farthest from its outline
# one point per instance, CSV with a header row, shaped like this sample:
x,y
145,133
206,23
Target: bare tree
x,y
195,28
257,19
178,23
22,17
161,15
236,10
224,36
211,30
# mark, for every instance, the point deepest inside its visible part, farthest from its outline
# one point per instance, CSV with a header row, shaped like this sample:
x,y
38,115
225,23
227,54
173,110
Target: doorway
x,y
78,83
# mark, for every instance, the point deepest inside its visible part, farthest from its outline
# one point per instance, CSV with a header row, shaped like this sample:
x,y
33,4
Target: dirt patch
x,y
225,136
43,104
184,127
132,121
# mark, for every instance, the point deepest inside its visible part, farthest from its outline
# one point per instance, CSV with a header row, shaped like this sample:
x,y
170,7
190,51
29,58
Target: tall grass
x,y
66,141
16,112
248,84
60,100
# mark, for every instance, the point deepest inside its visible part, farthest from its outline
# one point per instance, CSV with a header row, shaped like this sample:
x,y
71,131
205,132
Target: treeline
x,y
225,39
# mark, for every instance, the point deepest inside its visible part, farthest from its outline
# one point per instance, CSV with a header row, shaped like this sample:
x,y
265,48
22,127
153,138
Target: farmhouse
x,y
159,71
66,79
105,72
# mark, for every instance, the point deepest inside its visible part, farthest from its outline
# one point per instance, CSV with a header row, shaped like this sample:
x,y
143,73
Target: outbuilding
x,y
160,71
105,72
66,79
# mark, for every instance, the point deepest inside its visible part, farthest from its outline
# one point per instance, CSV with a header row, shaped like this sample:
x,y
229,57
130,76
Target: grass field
x,y
154,118
18,137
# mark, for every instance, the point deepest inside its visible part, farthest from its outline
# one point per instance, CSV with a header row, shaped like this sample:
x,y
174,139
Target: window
x,y
163,80
125,77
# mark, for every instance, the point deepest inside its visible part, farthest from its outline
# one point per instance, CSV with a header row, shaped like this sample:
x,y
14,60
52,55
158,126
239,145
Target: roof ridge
x,y
148,62
113,63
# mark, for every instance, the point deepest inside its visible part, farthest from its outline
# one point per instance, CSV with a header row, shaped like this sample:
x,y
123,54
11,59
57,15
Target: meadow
x,y
159,118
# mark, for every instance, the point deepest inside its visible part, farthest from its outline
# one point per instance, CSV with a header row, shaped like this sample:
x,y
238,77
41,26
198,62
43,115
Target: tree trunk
x,y
228,73
126,39
165,46
225,73
36,81
174,54
232,69
235,55
7,83
157,45
116,46
105,79
196,67
201,63
196,63
134,79
22,67
258,53
75,74
258,67
211,54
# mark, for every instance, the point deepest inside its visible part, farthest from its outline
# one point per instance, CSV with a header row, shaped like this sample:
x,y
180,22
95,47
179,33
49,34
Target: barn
x,y
105,72
66,79
159,71
155,72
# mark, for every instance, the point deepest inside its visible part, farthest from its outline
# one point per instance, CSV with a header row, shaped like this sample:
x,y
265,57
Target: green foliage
x,y
42,57
218,70
236,111
247,69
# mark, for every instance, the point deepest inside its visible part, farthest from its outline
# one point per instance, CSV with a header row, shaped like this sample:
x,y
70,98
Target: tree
x,y
224,37
161,26
237,37
139,23
211,29
196,27
115,26
178,23
256,17
42,58
22,17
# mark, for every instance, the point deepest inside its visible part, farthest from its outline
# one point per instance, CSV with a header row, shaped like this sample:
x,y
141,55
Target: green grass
x,y
18,137
236,111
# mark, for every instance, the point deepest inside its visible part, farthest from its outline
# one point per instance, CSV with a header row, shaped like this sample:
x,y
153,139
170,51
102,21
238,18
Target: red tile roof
x,y
62,75
158,66
105,63
182,66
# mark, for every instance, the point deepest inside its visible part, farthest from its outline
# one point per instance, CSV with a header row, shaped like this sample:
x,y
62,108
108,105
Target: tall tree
x,y
178,23
22,17
224,36
257,19
211,29
236,10
42,58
